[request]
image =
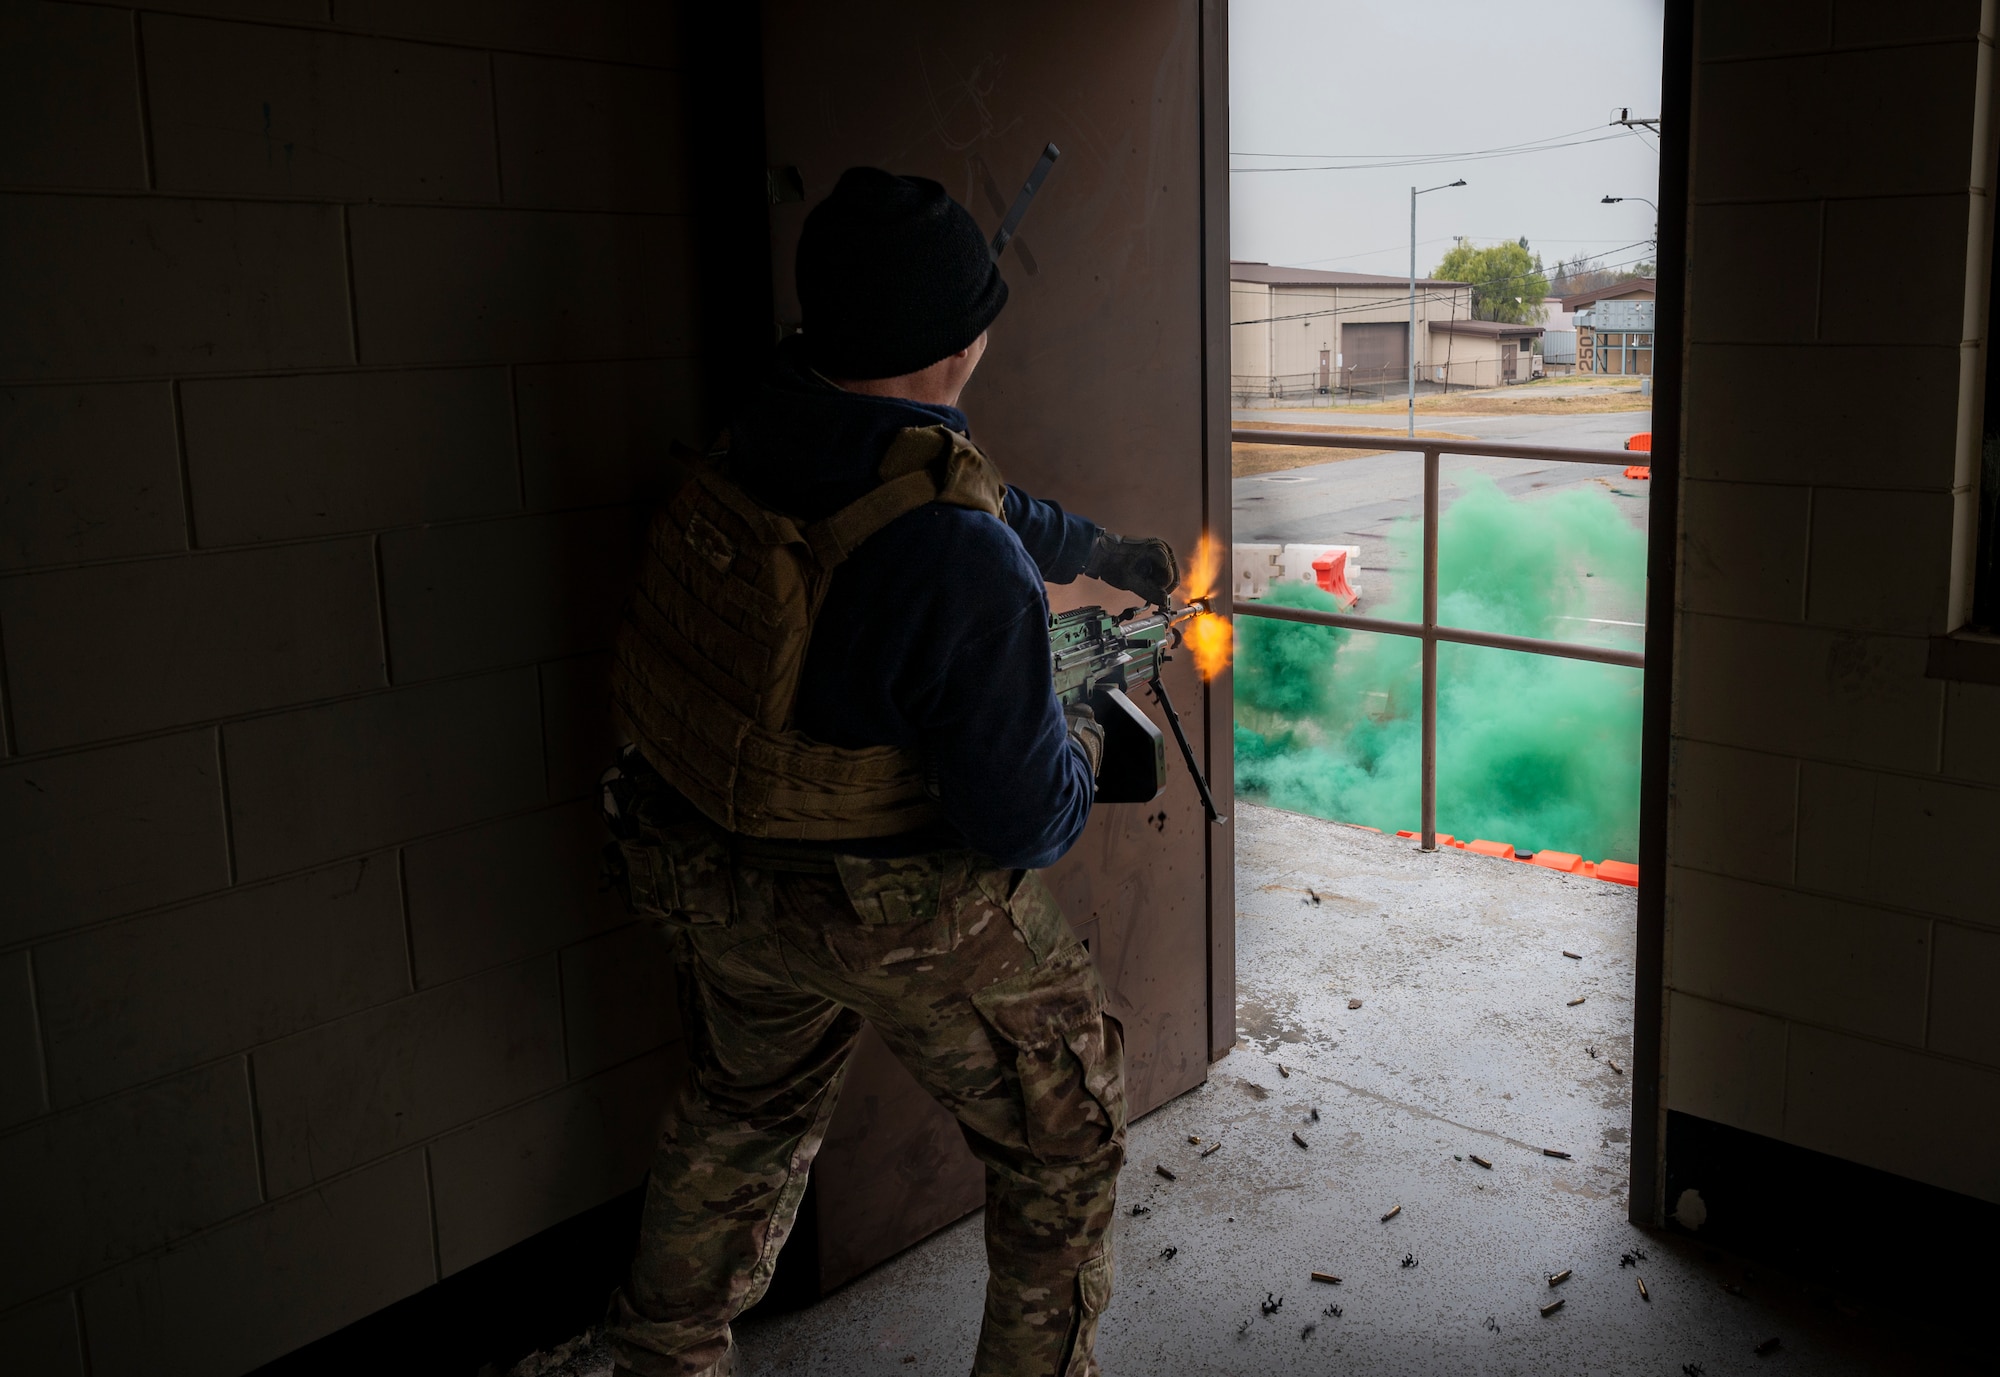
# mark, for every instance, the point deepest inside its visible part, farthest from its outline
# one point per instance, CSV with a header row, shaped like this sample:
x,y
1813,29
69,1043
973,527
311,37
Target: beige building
x,y
1298,332
1482,353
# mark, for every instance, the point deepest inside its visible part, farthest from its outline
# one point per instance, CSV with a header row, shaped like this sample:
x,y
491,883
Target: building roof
x,y
1240,271
1637,286
1489,328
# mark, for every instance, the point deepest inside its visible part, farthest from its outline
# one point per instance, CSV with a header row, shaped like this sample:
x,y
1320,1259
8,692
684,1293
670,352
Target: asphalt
x,y
1466,1042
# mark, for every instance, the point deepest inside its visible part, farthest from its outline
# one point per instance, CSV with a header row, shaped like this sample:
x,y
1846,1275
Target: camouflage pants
x,y
977,984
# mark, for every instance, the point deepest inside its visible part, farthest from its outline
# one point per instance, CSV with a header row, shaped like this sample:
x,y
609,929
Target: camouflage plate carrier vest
x,y
706,667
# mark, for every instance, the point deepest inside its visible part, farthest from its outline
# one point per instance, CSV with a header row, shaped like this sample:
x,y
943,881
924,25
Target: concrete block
x,y
597,433
1800,956
124,1176
1750,143
330,453
243,1295
1860,22
258,110
493,593
21,1092
1896,839
1733,812
141,998
1972,732
1808,692
1743,549
591,136
1926,236
578,724
447,286
68,98
99,833
1862,1100
1725,1064
622,30
1881,561
618,998
507,890
42,1337
1777,26
375,1082
88,473
1760,273
309,786
1965,1018
114,649
1834,428
108,286
519,1172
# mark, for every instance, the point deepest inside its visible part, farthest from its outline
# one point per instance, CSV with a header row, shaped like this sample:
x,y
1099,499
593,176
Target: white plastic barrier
x,y
1257,567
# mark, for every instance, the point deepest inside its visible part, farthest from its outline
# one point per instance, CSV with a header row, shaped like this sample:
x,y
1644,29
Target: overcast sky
x,y
1344,81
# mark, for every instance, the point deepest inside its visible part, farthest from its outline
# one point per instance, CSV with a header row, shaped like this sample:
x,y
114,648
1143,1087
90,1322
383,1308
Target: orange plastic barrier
x,y
1492,848
1640,471
1618,872
1331,571
1642,441
1564,861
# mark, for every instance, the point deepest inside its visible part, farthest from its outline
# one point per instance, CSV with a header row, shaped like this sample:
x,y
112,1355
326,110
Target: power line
x,y
1440,158
1569,134
1439,296
1446,238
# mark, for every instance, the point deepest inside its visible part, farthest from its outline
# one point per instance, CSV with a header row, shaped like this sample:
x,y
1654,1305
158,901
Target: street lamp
x,y
1412,360
1614,200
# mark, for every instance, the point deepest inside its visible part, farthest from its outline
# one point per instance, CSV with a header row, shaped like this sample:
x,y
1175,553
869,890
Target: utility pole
x,y
1411,357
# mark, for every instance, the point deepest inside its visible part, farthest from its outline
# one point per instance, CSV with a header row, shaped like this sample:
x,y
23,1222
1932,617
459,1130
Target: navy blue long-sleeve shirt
x,y
934,633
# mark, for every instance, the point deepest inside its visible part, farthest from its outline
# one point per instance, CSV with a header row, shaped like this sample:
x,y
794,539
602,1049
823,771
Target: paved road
x,y
1356,501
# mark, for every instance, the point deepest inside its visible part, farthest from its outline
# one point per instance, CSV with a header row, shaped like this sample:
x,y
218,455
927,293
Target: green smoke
x,y
1540,752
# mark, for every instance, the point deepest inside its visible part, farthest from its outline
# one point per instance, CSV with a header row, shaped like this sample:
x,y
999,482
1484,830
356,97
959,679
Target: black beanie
x,y
893,275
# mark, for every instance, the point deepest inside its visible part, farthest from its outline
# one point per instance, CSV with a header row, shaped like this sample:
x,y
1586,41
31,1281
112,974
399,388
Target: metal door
x,y
1377,351
1105,387
1510,360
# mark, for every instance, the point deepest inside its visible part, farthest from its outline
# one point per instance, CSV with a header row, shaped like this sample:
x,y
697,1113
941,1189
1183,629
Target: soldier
x,y
848,761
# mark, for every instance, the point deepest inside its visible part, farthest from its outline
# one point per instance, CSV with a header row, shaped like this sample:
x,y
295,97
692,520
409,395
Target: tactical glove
x,y
1085,732
1139,564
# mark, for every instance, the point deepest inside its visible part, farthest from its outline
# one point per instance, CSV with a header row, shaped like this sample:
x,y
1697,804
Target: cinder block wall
x,y
1833,921
336,337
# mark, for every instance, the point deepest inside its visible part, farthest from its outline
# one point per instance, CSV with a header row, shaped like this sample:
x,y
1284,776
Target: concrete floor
x,y
1465,1043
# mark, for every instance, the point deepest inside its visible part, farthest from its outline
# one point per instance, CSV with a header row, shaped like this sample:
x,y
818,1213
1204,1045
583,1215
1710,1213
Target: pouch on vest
x,y
706,666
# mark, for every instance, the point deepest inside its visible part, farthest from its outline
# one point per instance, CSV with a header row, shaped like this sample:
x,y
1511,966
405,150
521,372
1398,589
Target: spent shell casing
x,y
1614,1066
1578,1000
1194,1137
1211,1149
1283,1072
1159,1170
1300,1141
1558,1278
1481,1161
1644,1294
1572,956
1394,1210
1552,1307
1555,1152
1329,1278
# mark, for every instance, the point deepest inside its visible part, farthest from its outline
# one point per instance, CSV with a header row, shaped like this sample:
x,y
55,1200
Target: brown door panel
x,y
1092,394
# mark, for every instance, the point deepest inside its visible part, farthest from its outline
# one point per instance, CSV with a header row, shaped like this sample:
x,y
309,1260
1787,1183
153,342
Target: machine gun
x,y
1099,658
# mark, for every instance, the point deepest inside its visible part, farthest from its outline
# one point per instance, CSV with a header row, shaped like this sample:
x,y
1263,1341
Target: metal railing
x,y
1428,631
